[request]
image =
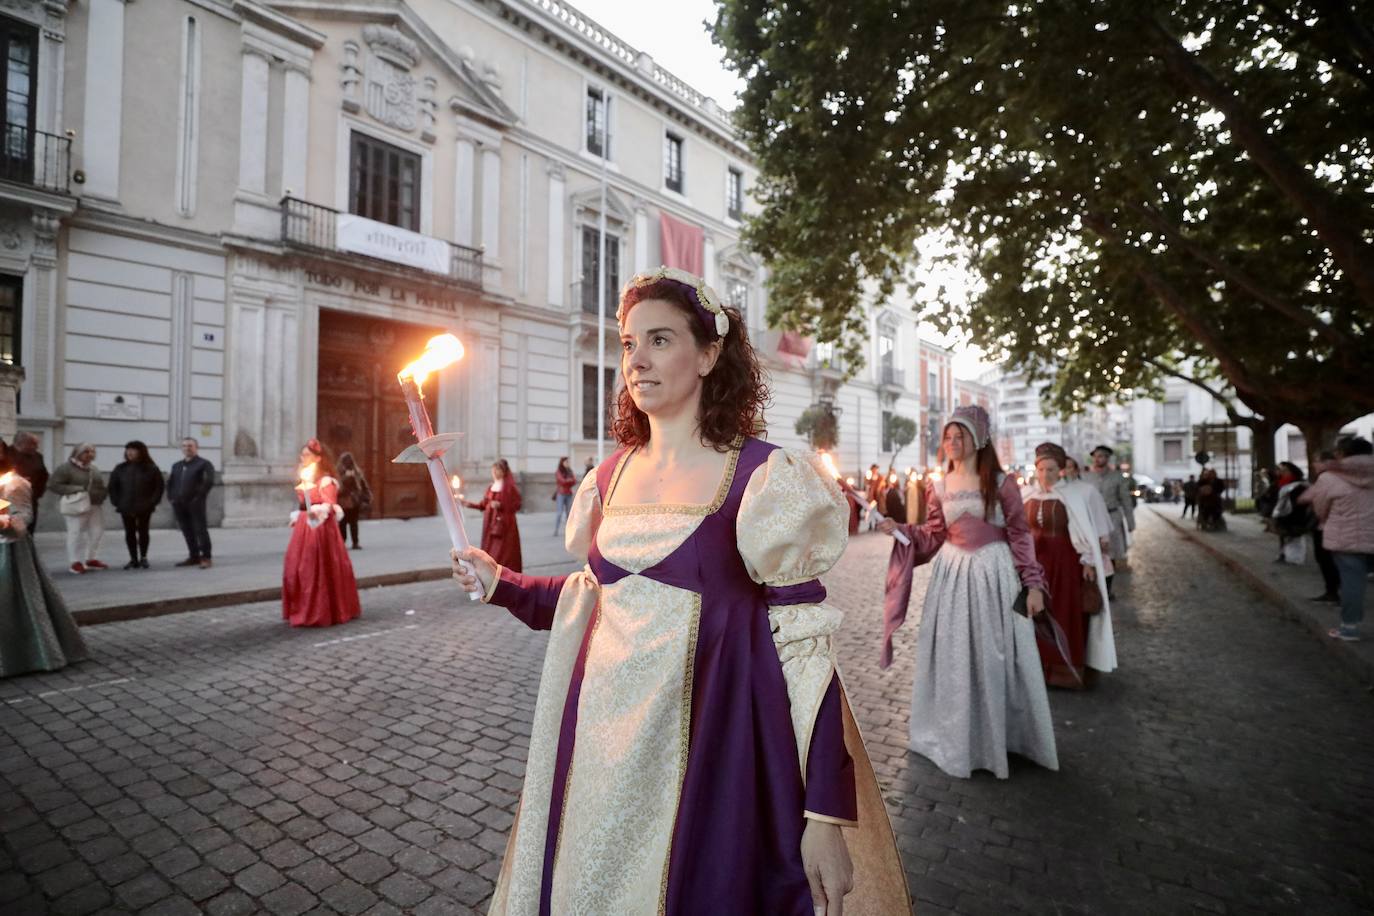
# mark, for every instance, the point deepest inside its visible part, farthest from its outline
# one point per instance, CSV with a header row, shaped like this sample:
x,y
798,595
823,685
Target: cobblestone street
x,y
220,762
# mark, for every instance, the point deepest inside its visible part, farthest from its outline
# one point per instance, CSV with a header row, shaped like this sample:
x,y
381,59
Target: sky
x,y
677,35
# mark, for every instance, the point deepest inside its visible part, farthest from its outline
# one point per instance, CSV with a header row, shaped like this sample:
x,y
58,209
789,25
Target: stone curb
x,y
1344,653
118,613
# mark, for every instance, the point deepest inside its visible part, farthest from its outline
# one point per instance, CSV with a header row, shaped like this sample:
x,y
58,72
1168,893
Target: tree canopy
x,y
1145,189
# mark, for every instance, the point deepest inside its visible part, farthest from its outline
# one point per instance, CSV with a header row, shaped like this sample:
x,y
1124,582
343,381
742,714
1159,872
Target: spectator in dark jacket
x,y
355,496
135,490
188,486
27,462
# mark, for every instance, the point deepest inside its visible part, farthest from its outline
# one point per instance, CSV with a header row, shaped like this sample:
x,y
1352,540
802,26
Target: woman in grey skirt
x,y
979,691
36,631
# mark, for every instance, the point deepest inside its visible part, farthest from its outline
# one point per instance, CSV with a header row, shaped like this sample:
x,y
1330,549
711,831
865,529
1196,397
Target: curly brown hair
x,y
733,395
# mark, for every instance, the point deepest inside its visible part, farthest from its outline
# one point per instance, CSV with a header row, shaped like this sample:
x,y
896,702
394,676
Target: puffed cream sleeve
x,y
793,525
534,599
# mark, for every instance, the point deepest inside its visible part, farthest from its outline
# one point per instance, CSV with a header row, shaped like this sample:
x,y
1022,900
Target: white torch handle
x,y
873,511
448,507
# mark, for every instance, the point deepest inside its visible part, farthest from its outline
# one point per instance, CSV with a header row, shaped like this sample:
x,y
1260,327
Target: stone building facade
x,y
256,212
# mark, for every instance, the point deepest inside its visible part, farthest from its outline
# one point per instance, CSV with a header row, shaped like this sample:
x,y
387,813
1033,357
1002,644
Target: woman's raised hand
x,y
483,569
887,526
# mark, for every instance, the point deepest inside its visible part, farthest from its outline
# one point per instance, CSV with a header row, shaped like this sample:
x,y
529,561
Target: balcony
x,y
584,297
317,228
891,377
37,159
1170,421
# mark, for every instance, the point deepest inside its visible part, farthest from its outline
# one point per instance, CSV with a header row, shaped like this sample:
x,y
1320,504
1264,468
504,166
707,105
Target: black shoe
x,y
357,546
190,561
1326,599
143,563
132,564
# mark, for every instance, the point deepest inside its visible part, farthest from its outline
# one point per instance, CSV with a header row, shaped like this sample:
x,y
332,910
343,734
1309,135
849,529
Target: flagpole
x,y
601,294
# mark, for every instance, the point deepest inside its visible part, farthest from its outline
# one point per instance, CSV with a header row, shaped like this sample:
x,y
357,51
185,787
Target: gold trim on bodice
x,y
722,491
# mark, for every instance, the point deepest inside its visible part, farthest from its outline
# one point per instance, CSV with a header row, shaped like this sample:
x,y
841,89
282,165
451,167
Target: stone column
x,y
557,195
253,122
295,130
465,161
40,388
641,239
491,202
11,378
708,259
102,121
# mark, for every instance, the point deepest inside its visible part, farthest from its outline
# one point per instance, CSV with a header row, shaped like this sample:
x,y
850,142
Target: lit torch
x,y
440,351
849,485
5,480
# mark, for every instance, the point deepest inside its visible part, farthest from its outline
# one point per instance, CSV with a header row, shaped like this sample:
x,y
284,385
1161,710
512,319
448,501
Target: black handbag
x,y
1047,629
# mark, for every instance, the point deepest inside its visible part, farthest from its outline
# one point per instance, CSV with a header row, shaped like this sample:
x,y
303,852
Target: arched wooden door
x,y
359,407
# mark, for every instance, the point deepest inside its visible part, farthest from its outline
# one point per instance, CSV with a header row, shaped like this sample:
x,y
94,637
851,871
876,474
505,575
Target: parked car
x,y
1145,488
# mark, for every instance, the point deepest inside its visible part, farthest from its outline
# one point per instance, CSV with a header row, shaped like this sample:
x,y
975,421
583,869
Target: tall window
x,y
887,430
737,295
1172,414
1173,450
887,349
734,193
11,307
18,44
384,183
591,262
933,391
672,162
598,122
589,400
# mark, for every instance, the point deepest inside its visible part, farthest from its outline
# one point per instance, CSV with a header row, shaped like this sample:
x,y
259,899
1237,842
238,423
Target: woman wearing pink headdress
x,y
318,588
979,691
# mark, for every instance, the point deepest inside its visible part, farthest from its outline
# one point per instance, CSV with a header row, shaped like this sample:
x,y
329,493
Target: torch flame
x,y
850,481
829,463
308,474
440,351
5,478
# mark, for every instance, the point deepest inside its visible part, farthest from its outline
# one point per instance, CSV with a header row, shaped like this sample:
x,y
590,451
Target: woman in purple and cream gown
x,y
692,749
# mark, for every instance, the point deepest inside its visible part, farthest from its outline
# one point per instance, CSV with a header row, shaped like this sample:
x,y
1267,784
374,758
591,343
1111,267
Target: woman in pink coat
x,y
1343,498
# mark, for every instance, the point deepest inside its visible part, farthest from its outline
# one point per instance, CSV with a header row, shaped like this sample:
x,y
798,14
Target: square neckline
x,y
703,509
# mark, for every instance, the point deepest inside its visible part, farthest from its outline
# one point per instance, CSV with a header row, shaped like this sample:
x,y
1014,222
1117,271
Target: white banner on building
x,y
391,243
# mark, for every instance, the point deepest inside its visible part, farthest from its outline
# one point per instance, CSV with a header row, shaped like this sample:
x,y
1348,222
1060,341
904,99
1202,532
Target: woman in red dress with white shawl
x,y
500,533
318,588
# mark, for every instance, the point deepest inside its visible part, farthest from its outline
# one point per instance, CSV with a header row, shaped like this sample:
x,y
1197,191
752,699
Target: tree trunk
x,y
1261,450
1319,435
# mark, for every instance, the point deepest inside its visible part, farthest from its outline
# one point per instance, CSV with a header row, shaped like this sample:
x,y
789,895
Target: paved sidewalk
x,y
1247,549
248,565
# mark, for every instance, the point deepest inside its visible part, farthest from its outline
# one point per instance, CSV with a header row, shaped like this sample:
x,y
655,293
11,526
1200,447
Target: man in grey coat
x,y
1116,493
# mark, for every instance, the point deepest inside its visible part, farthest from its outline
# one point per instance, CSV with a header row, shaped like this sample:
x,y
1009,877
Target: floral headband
x,y
705,299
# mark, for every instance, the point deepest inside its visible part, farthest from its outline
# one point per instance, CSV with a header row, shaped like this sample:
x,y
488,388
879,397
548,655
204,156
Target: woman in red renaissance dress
x,y
318,588
500,532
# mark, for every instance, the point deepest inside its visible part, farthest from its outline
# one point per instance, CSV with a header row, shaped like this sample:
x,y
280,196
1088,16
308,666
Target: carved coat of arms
x,y
390,94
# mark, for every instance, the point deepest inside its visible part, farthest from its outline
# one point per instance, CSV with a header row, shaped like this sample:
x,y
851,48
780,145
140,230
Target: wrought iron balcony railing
x,y
891,375
308,225
35,158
